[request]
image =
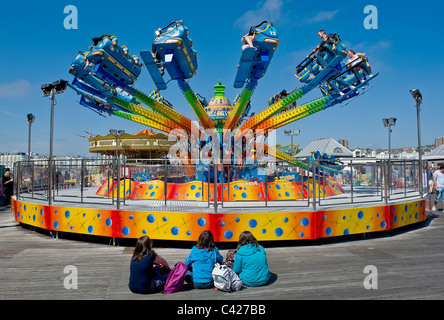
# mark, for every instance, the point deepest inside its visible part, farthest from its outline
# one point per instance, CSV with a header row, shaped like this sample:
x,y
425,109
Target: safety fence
x,y
146,184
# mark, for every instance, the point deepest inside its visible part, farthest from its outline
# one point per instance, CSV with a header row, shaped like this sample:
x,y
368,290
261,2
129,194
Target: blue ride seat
x,y
172,44
255,60
173,49
310,65
115,61
84,70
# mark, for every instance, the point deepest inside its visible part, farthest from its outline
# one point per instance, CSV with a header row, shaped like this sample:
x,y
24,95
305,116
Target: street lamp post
x,y
388,123
292,133
416,94
117,134
31,119
50,90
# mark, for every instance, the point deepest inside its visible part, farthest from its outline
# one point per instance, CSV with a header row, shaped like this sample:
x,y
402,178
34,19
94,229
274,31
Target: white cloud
x,y
16,89
322,16
269,10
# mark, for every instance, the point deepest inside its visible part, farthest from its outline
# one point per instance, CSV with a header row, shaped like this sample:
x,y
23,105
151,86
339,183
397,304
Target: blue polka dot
x,y
188,233
90,229
198,194
56,224
84,215
201,222
305,222
416,215
125,231
150,187
406,208
344,218
264,231
131,217
152,194
41,212
144,231
301,234
222,223
193,187
383,224
175,231
252,223
25,207
278,187
33,217
395,219
278,232
244,195
287,193
360,215
329,231
285,219
165,219
346,232
237,219
324,217
151,218
109,222
228,234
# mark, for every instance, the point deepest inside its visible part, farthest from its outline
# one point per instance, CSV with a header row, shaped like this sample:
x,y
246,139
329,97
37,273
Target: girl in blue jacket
x,y
202,258
250,261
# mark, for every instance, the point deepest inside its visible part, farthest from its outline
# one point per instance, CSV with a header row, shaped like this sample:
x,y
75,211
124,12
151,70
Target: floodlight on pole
x,y
417,96
117,134
292,133
50,90
31,119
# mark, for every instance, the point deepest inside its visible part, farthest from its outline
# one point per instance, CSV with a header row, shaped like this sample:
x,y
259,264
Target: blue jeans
x,y
159,280
439,194
339,81
196,285
364,67
320,56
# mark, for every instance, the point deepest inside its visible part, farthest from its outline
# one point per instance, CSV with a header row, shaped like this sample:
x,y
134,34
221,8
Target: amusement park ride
x,y
105,77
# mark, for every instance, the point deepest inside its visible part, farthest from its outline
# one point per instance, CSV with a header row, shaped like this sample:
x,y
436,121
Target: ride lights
x,y
389,122
416,94
59,86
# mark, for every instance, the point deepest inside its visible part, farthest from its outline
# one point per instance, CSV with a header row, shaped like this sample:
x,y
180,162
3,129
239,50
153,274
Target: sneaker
x,y
434,208
352,88
311,77
341,94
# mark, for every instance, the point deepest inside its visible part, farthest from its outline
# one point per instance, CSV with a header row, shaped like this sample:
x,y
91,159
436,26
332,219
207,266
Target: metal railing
x,y
158,183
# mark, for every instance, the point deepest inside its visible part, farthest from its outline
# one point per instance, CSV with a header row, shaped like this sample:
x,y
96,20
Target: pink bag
x,y
176,278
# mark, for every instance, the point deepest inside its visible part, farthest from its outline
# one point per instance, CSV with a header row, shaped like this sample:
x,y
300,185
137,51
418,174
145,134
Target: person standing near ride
x,y
8,186
438,183
354,62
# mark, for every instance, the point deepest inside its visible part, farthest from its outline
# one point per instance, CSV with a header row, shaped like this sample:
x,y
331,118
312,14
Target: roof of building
x,y
325,145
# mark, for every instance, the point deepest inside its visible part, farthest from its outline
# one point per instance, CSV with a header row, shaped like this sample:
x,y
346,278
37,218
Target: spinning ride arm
x,y
194,102
253,122
152,116
181,120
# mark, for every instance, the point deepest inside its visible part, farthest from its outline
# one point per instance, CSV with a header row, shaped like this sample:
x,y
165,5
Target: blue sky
x,y
405,49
